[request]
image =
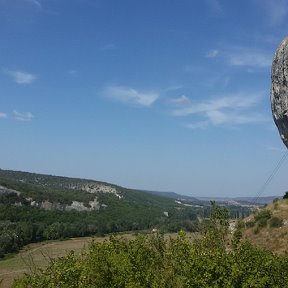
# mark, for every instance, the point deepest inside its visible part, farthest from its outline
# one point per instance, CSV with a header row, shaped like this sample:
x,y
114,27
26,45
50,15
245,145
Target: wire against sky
x,y
271,176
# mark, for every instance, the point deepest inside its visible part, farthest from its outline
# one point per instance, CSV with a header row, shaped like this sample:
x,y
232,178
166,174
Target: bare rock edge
x,y
279,90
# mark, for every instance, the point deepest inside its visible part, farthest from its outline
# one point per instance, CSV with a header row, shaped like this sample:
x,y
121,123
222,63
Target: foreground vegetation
x,y
214,260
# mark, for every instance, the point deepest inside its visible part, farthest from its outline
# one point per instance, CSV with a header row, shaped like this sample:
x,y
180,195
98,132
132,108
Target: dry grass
x,y
273,239
37,256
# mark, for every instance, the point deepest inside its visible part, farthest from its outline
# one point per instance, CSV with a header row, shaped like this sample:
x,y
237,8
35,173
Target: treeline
x,y
20,223
151,261
23,224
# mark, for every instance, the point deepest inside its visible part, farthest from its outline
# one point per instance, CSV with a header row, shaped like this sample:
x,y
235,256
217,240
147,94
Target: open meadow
x,y
37,255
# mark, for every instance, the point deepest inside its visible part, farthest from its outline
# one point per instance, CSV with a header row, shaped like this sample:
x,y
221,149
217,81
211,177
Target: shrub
x,y
262,222
250,224
275,222
256,230
150,261
262,215
275,200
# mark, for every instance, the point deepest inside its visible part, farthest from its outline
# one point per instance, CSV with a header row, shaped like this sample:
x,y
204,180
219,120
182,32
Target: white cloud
x,y
23,116
249,58
21,77
198,125
130,95
215,6
212,53
231,110
242,56
233,101
232,118
3,115
182,100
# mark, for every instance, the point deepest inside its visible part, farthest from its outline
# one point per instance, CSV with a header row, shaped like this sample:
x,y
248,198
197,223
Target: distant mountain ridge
x,y
175,196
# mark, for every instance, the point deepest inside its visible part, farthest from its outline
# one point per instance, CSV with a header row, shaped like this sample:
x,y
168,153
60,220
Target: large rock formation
x,y
279,91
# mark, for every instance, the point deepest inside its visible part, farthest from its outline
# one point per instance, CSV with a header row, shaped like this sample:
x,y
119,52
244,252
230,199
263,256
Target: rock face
x,y
279,90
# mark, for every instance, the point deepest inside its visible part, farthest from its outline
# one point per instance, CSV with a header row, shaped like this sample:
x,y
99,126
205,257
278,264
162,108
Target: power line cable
x,y
271,176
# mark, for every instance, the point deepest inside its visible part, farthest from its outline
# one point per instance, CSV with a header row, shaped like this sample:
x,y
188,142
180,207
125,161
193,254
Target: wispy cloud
x,y
231,110
276,149
21,77
182,100
3,115
108,47
212,53
234,101
198,125
130,95
215,6
249,58
23,116
35,3
276,11
242,56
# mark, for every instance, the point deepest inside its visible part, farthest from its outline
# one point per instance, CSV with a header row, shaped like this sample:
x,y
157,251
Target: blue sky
x,y
160,95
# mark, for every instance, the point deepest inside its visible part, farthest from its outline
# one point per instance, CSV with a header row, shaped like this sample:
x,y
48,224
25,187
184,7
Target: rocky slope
x,y
268,228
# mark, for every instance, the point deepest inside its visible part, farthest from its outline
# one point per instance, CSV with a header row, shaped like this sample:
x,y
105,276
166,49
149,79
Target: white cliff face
x,y
4,190
89,186
279,90
76,205
95,188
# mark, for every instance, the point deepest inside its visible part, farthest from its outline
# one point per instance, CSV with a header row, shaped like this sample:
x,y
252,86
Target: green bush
x,y
275,222
262,214
250,224
262,222
151,261
262,217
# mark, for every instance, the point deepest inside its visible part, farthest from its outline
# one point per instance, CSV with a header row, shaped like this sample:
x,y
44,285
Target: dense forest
x,y
213,260
127,210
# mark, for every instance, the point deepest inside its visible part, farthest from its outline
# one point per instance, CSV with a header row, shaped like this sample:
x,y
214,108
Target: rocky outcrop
x,y
95,188
279,90
76,205
4,190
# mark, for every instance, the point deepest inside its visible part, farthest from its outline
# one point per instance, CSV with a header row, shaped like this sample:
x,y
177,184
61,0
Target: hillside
x,y
36,207
268,228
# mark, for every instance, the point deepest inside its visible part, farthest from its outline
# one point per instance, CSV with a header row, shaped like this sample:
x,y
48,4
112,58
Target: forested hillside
x,y
37,207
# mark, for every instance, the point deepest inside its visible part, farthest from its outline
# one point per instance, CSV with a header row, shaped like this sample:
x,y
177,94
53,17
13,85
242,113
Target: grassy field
x,y
37,256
